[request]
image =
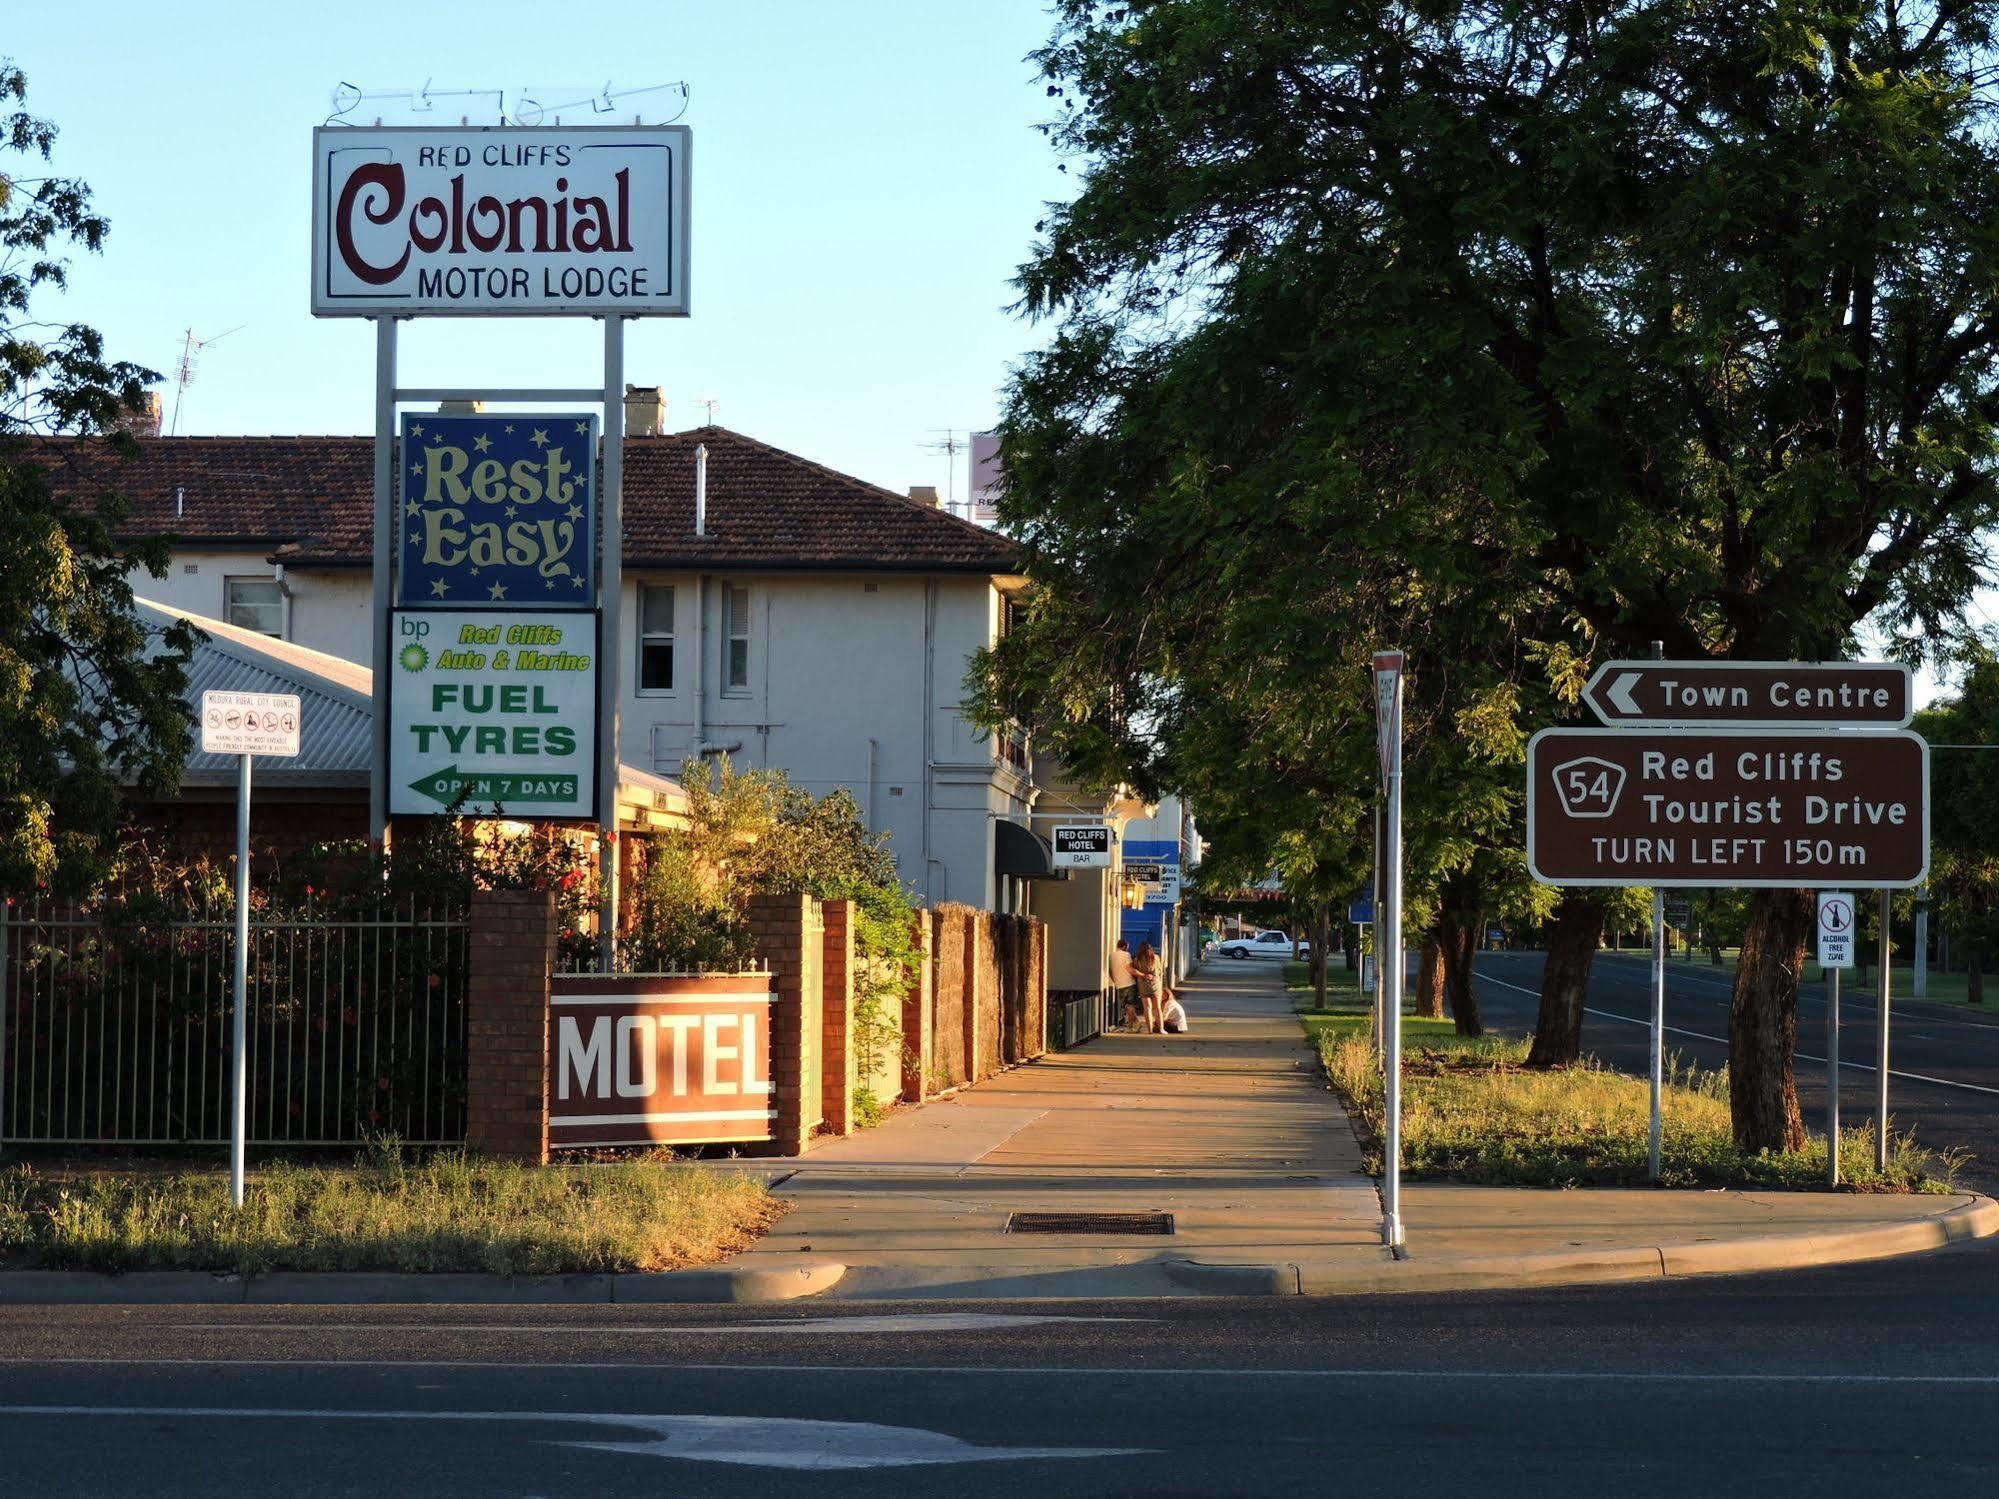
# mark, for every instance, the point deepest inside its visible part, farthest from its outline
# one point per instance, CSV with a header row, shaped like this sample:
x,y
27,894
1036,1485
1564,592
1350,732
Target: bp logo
x,y
414,657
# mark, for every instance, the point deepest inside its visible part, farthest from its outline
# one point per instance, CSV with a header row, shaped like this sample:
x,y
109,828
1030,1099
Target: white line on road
x,y
1918,1077
905,1322
742,1441
846,1371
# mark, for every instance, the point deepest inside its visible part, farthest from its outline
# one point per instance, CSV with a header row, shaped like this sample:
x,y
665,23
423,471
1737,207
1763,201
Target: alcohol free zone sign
x,y
493,712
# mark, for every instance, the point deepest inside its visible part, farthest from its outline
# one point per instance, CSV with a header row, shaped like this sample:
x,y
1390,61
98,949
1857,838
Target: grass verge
x,y
385,1212
1472,1113
1341,984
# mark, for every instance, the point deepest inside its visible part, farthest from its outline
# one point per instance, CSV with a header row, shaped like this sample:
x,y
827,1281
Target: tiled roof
x,y
308,499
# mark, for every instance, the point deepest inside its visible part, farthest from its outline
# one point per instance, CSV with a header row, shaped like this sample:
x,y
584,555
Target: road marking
x,y
895,1323
1802,1056
1552,1376
744,1441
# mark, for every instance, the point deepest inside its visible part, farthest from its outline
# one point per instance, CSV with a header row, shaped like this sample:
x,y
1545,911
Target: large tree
x,y
1964,799
91,700
1652,321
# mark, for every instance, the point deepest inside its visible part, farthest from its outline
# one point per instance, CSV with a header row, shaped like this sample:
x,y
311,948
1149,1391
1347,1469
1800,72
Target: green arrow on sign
x,y
446,786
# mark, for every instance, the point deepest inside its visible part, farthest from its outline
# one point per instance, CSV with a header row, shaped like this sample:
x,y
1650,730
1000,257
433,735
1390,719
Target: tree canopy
x,y
91,699
1515,334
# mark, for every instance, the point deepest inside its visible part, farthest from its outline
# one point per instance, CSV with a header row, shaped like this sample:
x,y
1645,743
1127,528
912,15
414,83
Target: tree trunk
x,y
1974,975
1350,946
1430,979
1763,1021
1572,940
1458,940
1322,938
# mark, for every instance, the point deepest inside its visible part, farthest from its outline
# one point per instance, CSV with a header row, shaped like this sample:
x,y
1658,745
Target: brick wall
x,y
284,822
917,1012
513,955
780,925
836,1018
952,945
982,1009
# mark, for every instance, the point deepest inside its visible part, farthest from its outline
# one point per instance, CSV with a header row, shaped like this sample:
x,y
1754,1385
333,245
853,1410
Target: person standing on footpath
x,y
1124,983
1146,966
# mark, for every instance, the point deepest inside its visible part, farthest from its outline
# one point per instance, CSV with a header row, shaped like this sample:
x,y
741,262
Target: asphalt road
x,y
1851,1381
1943,1070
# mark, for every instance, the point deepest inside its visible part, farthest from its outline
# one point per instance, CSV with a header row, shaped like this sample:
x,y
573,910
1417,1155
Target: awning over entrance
x,y
1023,853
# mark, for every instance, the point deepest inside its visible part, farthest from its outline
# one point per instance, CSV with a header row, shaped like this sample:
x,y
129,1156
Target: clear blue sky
x,y
866,178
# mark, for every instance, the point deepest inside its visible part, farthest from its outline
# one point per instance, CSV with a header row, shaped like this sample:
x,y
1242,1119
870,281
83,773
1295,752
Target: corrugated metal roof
x,y
336,718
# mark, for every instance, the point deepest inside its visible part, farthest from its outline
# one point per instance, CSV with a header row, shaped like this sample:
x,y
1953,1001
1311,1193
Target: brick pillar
x,y
1037,1025
982,999
778,924
513,954
836,1018
917,1012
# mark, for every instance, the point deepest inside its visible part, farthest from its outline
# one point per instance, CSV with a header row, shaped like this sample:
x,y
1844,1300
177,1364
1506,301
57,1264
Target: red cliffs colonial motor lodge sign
x,y
669,1060
532,221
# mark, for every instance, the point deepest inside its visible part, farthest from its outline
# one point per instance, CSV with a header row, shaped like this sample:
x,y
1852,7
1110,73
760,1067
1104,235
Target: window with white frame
x,y
736,641
254,604
655,638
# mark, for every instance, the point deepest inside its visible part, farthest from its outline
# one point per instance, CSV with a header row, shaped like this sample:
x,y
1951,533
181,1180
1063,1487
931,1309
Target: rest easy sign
x,y
494,712
498,511
659,1061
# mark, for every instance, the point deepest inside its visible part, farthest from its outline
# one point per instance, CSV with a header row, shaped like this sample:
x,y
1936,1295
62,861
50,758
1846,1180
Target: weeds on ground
x,y
387,1211
1472,1113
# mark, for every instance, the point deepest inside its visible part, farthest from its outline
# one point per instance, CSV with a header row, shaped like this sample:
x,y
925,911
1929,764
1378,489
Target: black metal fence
x,y
117,1033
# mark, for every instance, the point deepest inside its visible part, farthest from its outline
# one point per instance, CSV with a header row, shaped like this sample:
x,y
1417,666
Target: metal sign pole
x,y
384,560
1658,1032
1375,938
1831,1076
610,682
1391,979
1881,1049
239,1059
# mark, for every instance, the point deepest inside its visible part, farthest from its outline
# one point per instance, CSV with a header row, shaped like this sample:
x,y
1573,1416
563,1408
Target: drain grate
x,y
1090,1223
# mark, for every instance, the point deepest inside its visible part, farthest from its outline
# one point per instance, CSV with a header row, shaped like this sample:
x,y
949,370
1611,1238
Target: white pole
x,y
1881,1049
610,678
1391,979
239,1060
1658,1036
383,565
1831,1076
1375,934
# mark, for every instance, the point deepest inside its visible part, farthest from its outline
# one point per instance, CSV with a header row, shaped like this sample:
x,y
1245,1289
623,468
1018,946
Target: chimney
x,y
144,422
924,494
645,410
701,490
460,408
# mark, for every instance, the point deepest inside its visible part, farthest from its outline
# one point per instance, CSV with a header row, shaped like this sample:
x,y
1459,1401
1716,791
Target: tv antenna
x,y
951,444
184,371
708,405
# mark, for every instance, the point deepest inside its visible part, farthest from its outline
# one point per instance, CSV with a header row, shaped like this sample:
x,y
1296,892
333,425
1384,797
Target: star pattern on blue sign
x,y
499,510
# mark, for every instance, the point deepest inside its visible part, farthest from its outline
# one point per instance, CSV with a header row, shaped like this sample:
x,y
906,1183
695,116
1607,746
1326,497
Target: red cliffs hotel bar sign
x,y
547,221
665,1060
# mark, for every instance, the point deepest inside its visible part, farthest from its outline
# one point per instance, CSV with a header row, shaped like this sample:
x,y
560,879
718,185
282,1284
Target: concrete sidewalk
x,y
1233,1131
1230,1129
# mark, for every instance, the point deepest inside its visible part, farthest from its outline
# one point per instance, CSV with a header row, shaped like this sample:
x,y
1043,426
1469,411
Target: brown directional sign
x,y
1751,694
1728,807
